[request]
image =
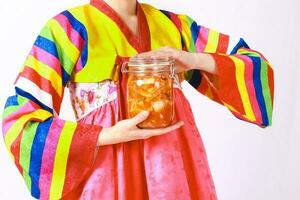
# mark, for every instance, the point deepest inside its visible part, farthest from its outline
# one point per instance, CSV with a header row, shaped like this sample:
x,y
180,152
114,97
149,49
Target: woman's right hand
x,y
127,130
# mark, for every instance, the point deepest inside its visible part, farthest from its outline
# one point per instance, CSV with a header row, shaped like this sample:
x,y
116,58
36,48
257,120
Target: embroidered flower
x,y
112,88
88,96
91,96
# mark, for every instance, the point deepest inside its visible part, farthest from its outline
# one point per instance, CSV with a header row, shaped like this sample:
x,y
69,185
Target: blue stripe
x,y
196,78
240,44
166,13
37,149
84,55
80,28
195,31
22,93
182,42
46,45
12,101
65,77
258,89
50,47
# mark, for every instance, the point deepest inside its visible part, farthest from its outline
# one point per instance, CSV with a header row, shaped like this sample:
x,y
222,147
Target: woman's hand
x,y
184,61
127,130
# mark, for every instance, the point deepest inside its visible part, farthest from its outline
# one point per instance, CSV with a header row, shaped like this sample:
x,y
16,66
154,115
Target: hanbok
x,y
82,49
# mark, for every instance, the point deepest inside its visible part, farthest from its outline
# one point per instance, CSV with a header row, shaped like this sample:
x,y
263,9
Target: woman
x,y
103,155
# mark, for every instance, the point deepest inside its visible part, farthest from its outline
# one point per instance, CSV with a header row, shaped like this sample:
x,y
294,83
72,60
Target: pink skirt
x,y
171,166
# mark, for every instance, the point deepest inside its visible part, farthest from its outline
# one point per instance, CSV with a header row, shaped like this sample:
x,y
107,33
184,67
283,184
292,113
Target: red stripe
x,y
228,91
271,82
43,84
15,146
238,115
16,80
209,79
15,149
48,59
253,51
27,108
203,87
81,155
215,95
176,20
49,157
223,43
72,34
250,86
144,31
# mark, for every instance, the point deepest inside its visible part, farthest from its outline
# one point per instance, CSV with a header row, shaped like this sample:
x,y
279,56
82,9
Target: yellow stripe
x,y
208,93
63,40
25,150
186,32
166,28
18,126
46,72
230,107
61,158
212,41
105,42
240,78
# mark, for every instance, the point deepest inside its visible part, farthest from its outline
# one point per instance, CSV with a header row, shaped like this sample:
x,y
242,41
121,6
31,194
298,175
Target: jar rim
x,y
150,61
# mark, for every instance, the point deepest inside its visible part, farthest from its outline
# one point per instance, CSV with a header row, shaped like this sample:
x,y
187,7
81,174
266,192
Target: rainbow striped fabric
x,y
244,84
54,155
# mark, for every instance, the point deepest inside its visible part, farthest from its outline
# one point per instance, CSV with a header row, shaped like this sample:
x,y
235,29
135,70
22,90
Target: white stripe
x,y
34,90
233,41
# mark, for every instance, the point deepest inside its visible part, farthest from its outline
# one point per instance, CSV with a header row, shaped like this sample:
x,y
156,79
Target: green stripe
x,y
264,82
25,150
22,100
192,42
188,75
11,109
67,63
249,53
7,111
266,89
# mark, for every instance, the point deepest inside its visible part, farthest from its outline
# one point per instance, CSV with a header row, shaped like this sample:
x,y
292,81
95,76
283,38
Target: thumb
x,y
140,117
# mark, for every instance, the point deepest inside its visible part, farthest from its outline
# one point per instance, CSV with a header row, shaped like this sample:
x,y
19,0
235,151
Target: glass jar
x,y
150,87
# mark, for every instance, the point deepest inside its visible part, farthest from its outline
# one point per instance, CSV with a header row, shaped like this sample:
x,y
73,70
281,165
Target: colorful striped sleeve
x,y
244,83
53,155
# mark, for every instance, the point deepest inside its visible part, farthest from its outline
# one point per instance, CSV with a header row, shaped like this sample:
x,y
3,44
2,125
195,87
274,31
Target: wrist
x,y
205,62
196,61
102,133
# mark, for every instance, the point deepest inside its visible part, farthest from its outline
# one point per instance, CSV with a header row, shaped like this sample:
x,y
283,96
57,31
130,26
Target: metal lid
x,y
148,64
149,61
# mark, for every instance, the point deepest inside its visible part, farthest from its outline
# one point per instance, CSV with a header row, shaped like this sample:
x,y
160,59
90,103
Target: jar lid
x,y
149,61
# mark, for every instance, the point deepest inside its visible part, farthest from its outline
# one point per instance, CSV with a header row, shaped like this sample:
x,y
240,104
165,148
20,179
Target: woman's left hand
x,y
184,61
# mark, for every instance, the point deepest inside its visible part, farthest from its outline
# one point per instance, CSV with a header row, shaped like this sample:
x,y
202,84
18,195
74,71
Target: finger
x,y
159,55
140,117
155,132
151,54
163,52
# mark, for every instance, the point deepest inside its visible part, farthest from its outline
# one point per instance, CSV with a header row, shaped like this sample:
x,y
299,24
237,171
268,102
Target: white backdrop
x,y
247,162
